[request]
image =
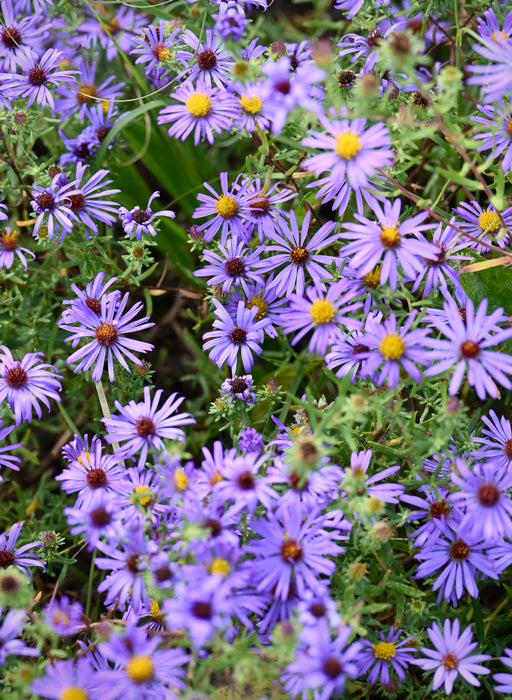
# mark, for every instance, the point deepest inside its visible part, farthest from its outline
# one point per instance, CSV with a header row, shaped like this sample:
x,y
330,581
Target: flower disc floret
x,y
199,104
226,206
322,311
347,145
252,104
390,236
73,692
392,346
489,221
140,669
384,650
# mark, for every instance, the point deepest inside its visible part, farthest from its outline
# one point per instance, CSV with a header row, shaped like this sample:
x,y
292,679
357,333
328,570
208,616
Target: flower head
x,y
9,248
138,221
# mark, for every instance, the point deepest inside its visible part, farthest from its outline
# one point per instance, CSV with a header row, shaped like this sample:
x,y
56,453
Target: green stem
x,y
89,586
104,406
68,419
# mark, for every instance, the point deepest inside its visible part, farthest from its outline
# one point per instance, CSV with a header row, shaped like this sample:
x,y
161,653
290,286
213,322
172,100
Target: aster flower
x,y
483,493
358,482
205,110
3,212
142,425
90,299
239,387
504,680
351,156
392,349
380,657
9,247
264,298
138,221
484,224
108,329
99,515
250,440
66,679
452,656
320,488
389,242
154,48
10,629
208,61
19,557
142,670
231,210
436,508
235,265
321,313
466,348
495,79
19,34
318,606
6,459
111,29
348,353
230,24
253,113
497,445
242,485
52,208
36,75
299,255
367,46
264,199
241,335
499,139
24,383
63,616
489,26
438,271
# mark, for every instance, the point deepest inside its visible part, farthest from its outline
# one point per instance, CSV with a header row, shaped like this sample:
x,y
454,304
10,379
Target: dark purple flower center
x,y
245,480
163,573
76,201
295,481
317,610
100,516
11,38
374,38
469,349
6,558
440,258
283,86
46,200
214,526
238,336
459,550
82,151
206,60
93,304
450,661
291,549
347,78
332,667
132,563
106,334
101,132
145,427
439,509
488,494
299,255
238,386
508,448
202,610
97,478
37,76
16,377
140,216
358,347
9,584
234,267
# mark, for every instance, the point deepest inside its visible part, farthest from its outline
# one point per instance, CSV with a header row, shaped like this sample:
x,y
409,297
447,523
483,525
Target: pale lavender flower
x,y
154,48
126,561
65,679
231,210
484,224
63,616
6,459
498,139
52,208
19,557
385,655
9,248
494,78
239,387
87,91
504,680
138,221
209,61
497,445
88,299
10,630
234,265
242,485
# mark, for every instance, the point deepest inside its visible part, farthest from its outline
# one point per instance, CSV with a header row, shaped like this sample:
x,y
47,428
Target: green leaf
x,y
494,284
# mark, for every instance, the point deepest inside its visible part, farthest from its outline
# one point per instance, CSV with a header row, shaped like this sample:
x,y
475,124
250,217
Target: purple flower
x,y
241,483
36,76
9,247
267,218
90,299
321,313
252,108
8,460
10,629
24,383
498,141
497,445
466,348
264,297
452,656
484,224
489,27
388,241
108,330
231,210
208,62
250,440
438,271
239,388
63,616
495,79
380,657
349,352
504,680
205,110
154,48
143,425
241,335
125,559
9,556
20,34
230,24
138,221
367,46
51,204
298,252
361,483
65,679
436,508
234,266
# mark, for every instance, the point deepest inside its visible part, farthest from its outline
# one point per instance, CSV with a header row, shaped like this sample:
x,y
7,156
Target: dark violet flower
x,y
65,679
497,443
438,271
11,628
231,210
264,298
205,110
322,313
250,440
385,655
348,353
241,335
138,221
316,606
63,616
98,516
9,247
466,348
24,383
484,225
20,558
239,388
108,330
142,425
267,217
19,31
208,62
6,459
320,488
142,670
495,79
230,24
36,75
235,265
504,680
452,656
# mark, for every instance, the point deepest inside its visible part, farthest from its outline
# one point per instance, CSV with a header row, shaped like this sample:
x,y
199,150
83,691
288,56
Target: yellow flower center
x,y
86,93
257,300
347,145
509,126
374,505
384,650
198,105
180,479
220,566
105,104
322,311
251,105
489,221
389,236
226,206
143,500
140,669
372,279
73,692
60,618
215,479
9,241
392,346
154,609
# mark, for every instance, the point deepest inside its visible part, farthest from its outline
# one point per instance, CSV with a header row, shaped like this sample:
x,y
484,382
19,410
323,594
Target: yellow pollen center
x,y
509,126
73,692
251,105
220,566
489,221
226,206
374,505
143,500
384,650
392,346
86,93
161,53
347,145
180,479
139,669
9,241
60,617
372,279
215,479
154,609
389,236
257,300
322,311
198,105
